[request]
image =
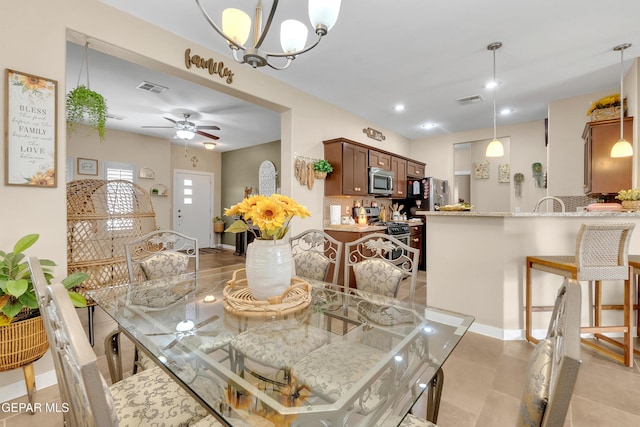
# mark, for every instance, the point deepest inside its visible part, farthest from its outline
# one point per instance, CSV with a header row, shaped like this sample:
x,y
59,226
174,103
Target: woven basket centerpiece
x,y
607,108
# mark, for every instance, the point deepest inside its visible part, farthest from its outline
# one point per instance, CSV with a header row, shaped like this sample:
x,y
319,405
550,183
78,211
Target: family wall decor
x,y
31,150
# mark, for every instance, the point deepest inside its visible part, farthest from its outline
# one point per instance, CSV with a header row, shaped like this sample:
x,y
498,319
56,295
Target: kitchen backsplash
x,y
347,204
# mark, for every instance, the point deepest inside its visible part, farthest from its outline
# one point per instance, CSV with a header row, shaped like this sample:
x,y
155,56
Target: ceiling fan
x,y
187,130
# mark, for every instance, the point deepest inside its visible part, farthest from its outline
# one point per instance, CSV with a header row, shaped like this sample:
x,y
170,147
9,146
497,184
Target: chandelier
x,y
236,26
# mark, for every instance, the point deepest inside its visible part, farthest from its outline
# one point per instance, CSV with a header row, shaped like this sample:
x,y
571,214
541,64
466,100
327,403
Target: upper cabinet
x,y
351,162
350,168
602,173
415,169
399,168
379,160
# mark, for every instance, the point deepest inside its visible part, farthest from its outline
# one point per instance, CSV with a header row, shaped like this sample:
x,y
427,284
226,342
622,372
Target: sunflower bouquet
x,y
606,102
271,215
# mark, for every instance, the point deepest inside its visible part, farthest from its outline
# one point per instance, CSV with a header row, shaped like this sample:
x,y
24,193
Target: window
x,y
119,197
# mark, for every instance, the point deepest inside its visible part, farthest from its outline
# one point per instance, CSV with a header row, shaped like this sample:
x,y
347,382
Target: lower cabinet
x,y
416,240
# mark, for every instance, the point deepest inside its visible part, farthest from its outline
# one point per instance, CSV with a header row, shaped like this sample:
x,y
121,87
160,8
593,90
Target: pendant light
x,y
495,148
622,148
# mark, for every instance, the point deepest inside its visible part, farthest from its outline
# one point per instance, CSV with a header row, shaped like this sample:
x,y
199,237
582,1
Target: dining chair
x,y
379,263
143,399
161,253
552,370
316,256
154,256
601,255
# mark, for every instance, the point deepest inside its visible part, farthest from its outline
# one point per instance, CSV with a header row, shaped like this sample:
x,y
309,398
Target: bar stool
x,y
601,254
634,263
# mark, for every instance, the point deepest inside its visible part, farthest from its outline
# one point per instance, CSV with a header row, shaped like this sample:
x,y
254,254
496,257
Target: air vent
x,y
151,87
114,117
473,99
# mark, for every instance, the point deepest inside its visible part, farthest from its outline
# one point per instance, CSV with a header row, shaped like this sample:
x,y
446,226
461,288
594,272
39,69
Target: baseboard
x,y
19,389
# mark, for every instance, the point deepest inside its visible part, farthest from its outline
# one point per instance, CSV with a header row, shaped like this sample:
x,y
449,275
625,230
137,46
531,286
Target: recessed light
x,y
428,125
398,107
506,111
492,84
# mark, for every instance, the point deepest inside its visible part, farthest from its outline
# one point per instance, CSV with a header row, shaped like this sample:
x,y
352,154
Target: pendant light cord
x,y
622,94
85,62
494,94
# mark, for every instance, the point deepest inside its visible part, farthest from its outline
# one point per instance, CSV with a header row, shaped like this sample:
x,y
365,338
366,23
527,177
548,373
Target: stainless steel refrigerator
x,y
437,193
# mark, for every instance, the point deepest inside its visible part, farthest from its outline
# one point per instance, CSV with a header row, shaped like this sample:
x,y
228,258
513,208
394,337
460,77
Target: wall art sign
x,y
31,150
213,67
87,166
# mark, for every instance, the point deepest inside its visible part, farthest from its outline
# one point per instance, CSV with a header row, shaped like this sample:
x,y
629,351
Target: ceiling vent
x,y
467,100
151,87
114,117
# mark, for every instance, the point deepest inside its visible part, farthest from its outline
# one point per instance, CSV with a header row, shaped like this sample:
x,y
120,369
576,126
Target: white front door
x,y
193,205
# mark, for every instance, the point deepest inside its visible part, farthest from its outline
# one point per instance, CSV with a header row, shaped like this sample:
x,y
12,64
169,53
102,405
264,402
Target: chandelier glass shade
x,y
236,28
495,147
622,148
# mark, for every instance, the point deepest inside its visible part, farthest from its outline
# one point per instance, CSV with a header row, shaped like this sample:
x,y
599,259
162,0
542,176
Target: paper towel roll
x,y
335,212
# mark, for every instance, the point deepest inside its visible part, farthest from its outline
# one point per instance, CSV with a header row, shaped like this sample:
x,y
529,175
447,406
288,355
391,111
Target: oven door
x,y
395,255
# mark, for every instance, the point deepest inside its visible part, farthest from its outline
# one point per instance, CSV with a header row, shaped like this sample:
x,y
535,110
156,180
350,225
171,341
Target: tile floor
x,y
483,379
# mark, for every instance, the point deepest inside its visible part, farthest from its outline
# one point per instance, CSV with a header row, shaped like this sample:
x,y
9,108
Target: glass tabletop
x,y
319,357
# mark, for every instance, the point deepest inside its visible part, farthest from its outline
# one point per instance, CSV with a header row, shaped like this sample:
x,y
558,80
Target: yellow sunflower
x,y
43,179
33,83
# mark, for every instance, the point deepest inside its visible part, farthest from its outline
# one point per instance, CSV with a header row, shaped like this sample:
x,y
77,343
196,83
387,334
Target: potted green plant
x,y
16,287
630,199
218,225
83,103
321,168
23,339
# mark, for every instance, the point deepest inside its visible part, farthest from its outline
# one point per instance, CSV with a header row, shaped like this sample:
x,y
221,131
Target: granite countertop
x,y
366,228
529,214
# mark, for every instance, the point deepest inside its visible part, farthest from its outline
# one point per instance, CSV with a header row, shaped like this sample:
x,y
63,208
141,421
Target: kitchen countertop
x,y
528,214
367,228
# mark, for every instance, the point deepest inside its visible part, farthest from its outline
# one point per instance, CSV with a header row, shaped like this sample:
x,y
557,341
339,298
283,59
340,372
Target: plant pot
x,y
269,268
319,174
218,227
22,342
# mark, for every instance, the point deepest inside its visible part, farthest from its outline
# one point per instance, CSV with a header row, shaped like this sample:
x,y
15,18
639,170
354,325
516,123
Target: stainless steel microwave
x,y
380,181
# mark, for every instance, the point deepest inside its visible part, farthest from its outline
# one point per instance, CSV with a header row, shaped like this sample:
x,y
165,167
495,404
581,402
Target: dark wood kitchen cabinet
x,y
379,160
350,168
417,241
399,168
415,169
602,173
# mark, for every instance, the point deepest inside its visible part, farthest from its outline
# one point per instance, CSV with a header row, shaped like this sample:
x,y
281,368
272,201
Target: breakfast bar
x,y
476,264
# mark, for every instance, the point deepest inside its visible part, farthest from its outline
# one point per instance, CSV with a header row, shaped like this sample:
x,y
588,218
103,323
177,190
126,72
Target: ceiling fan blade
x,y
171,344
171,120
208,127
206,321
208,135
159,127
157,334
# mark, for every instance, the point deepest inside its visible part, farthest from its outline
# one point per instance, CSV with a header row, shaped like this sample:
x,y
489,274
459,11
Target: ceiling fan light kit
x,y
495,147
236,26
187,130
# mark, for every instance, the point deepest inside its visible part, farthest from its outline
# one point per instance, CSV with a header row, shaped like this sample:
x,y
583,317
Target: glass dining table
x,y
318,356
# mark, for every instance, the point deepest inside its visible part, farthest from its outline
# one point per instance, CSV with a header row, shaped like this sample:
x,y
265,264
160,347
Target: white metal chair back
x,y
379,262
553,367
161,253
602,251
316,255
79,380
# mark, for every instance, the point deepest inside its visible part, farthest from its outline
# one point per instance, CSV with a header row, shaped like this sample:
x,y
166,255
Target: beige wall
x,y
240,170
526,145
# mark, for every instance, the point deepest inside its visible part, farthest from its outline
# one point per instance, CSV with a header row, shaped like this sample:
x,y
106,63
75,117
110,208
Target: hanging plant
x,y
84,105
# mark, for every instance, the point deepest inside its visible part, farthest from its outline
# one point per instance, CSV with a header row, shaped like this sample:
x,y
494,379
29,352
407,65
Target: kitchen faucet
x,y
549,198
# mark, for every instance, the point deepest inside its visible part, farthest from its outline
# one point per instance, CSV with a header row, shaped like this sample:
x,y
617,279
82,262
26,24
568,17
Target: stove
x,y
395,228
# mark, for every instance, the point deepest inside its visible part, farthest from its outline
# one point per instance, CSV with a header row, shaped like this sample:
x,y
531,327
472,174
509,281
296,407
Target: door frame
x,y
175,194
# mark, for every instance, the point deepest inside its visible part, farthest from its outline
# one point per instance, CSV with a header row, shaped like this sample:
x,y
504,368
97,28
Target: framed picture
x,y
87,166
31,150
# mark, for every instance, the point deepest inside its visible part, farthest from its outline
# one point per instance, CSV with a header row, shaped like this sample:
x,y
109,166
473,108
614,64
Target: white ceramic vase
x,y
269,268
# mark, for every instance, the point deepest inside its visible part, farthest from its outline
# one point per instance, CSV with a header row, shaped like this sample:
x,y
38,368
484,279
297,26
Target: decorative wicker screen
x,y
101,217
